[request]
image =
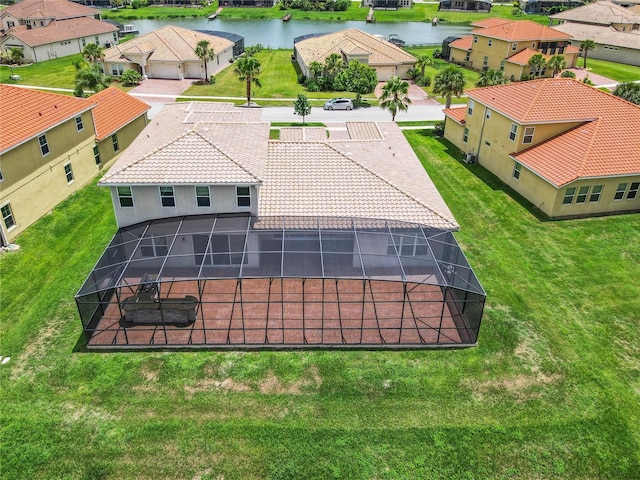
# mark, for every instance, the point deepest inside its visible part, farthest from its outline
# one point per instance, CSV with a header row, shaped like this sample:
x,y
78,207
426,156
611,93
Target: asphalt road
x,y
369,114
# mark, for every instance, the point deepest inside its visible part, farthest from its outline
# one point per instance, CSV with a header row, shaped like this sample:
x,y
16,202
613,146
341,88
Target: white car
x,y
338,104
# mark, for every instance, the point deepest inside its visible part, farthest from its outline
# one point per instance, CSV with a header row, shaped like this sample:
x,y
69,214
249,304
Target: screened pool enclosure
x,y
237,281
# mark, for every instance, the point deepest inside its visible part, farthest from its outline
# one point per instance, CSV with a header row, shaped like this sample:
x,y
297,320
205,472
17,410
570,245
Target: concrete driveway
x,y
156,92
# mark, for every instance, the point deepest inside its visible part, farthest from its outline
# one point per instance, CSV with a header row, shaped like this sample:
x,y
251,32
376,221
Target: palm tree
x,y
585,46
90,78
93,52
316,69
247,69
423,62
448,82
333,64
491,77
537,63
395,96
205,54
557,63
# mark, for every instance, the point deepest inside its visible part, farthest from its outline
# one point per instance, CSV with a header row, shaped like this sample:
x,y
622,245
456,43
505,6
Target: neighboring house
x,y
49,148
507,45
386,58
46,29
167,53
465,6
60,38
548,6
388,4
568,148
307,240
614,29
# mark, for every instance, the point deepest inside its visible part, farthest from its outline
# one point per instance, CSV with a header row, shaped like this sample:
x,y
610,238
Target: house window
x,y
167,197
114,139
485,62
154,247
44,146
97,40
465,136
528,135
470,106
490,42
1,176
596,191
243,196
68,172
96,154
619,195
125,196
487,114
513,132
79,125
516,171
514,47
466,59
84,42
115,37
568,196
203,198
407,246
7,216
502,63
582,194
11,24
633,191
117,70
475,39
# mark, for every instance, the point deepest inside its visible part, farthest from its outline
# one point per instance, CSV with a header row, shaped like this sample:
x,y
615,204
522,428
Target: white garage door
x,y
163,70
195,70
385,73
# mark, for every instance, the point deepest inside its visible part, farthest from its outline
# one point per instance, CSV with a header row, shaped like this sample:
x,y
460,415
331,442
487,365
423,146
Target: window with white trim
x,y
1,176
125,196
114,140
583,192
490,42
596,191
622,188
203,196
514,47
633,190
465,135
79,125
470,106
485,62
44,145
68,172
502,64
487,114
475,39
154,247
569,194
243,196
167,197
516,171
7,216
117,69
407,246
513,133
96,154
528,134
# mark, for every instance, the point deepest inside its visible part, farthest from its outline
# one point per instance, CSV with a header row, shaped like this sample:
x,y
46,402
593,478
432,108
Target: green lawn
x,y
58,73
616,71
551,392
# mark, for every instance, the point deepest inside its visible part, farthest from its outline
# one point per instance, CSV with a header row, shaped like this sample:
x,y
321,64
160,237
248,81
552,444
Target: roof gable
x,y
463,43
114,110
599,13
61,30
58,9
520,30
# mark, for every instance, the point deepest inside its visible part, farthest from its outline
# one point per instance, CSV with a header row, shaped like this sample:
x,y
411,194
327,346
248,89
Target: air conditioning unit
x,y
470,158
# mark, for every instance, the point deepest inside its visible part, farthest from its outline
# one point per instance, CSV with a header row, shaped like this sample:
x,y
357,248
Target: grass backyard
x,y
550,392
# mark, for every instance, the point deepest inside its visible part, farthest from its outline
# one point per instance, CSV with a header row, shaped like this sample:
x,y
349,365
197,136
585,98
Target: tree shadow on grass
x,y
487,177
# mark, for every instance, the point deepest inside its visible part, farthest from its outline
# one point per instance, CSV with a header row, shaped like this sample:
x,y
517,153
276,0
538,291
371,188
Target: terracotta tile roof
x,y
300,134
168,44
602,12
605,143
489,22
200,130
115,109
523,56
571,49
59,9
520,30
464,43
382,52
33,112
457,114
61,30
363,131
602,35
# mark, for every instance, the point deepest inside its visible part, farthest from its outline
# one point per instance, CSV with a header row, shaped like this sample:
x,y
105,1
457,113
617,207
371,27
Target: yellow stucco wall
x,y
33,184
125,135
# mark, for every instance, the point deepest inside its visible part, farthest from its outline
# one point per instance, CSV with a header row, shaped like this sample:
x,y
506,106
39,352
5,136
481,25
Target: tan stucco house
x,y
51,147
386,58
168,52
568,148
507,45
614,29
48,29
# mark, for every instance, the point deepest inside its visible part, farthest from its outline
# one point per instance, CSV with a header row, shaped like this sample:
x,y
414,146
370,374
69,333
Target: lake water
x,y
275,33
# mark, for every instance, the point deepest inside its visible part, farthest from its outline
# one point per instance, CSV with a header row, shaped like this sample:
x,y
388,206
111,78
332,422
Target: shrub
x,y
312,86
131,77
437,53
424,81
438,129
568,74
